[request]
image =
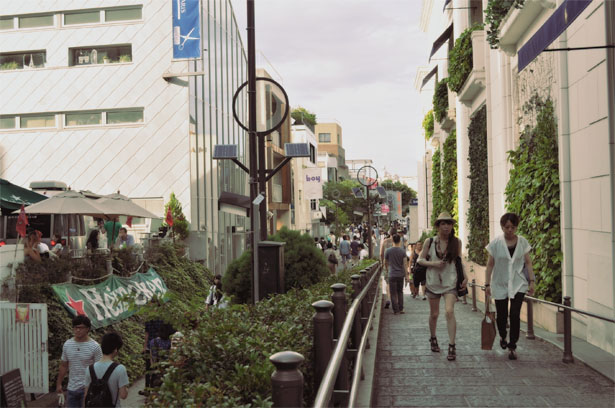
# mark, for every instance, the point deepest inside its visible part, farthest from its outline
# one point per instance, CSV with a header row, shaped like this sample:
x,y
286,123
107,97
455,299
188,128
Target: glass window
x,y
6,23
7,122
82,17
36,21
101,55
20,60
125,116
122,14
37,121
324,137
83,118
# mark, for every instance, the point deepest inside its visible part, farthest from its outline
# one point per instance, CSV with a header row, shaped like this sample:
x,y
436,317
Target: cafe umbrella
x,y
117,204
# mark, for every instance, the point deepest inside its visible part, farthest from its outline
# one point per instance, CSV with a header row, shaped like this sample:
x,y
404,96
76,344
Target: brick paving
x,y
409,374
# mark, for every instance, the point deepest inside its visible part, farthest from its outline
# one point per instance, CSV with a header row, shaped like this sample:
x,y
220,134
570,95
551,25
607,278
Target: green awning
x,y
13,196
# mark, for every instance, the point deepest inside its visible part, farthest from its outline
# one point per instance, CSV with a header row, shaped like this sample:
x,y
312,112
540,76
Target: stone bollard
x,y
323,339
339,316
287,380
530,320
474,308
356,324
567,332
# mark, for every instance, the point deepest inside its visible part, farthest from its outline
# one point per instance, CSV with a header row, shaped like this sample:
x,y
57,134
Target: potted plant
x,y
125,58
106,60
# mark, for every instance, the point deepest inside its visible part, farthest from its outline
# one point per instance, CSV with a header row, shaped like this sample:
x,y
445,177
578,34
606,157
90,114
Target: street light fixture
x,y
228,152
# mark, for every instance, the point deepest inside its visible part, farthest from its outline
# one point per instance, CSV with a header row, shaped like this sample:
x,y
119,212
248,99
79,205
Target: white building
x,y
84,100
305,211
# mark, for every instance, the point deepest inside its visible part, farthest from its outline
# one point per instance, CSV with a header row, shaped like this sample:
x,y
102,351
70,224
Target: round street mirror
x,y
367,176
271,106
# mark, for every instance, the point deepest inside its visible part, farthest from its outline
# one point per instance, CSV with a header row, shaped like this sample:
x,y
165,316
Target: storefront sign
x,y
186,29
312,183
13,394
101,302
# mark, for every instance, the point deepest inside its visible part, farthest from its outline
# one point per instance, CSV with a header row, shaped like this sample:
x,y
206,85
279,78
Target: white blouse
x,y
440,280
507,278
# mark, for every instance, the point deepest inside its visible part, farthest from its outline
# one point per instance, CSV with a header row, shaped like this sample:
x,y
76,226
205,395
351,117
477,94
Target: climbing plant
x,y
428,124
449,175
478,212
494,14
460,59
440,100
533,193
436,192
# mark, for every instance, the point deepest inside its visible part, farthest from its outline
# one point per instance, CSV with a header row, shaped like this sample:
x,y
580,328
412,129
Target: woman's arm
x,y
530,273
488,271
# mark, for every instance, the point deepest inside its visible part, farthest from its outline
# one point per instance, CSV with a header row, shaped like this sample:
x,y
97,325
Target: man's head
x,y
396,240
123,234
100,222
111,344
81,327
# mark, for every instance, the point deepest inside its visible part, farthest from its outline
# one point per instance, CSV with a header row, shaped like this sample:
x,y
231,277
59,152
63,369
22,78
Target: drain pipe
x,y
564,172
609,11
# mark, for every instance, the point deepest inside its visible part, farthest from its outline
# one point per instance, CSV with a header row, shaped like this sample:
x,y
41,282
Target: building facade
x,y
89,97
330,141
306,215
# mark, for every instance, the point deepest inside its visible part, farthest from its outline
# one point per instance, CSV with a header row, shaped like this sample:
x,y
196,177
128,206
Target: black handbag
x,y
460,277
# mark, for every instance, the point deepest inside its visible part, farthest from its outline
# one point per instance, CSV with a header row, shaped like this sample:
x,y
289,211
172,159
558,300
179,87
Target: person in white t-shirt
x,y
363,254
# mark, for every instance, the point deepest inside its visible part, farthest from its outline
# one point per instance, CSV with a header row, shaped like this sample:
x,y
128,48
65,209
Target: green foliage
x,y
428,124
533,193
224,360
9,65
425,235
494,14
303,116
304,265
436,191
460,59
449,175
407,193
478,212
341,214
181,226
440,100
181,275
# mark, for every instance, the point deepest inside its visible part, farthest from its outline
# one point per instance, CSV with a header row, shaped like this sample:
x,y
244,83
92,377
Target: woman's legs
x,y
449,303
501,307
515,319
434,311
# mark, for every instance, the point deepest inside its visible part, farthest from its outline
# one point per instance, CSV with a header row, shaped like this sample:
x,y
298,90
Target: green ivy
x,y
440,100
460,59
533,193
436,191
428,124
494,14
478,212
448,184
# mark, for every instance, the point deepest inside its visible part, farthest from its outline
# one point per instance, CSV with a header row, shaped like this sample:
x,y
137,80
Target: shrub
x,y
436,191
224,360
533,193
237,282
428,125
181,226
448,184
440,100
494,14
460,59
478,212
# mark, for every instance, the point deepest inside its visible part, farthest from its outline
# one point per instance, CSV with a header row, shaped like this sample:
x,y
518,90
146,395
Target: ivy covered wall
x,y
478,212
449,176
436,192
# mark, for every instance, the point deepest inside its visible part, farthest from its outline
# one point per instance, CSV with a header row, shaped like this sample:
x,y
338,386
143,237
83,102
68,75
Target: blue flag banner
x,y
186,29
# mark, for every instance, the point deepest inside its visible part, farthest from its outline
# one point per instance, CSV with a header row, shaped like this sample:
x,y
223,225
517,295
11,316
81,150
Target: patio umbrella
x,y
12,196
117,204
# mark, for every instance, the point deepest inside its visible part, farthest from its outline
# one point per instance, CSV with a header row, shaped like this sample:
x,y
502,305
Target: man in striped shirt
x,y
78,353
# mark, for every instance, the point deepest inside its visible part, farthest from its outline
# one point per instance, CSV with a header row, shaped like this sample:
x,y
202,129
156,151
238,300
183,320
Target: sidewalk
x,y
409,374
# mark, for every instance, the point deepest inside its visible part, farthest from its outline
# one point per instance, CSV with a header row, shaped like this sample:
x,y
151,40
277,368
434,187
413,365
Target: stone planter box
x,y
475,82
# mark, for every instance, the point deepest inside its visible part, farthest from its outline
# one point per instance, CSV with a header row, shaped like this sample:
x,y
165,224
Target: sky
x,y
353,61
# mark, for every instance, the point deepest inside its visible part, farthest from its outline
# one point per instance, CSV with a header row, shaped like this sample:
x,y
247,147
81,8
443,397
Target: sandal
x,y
503,344
451,352
512,355
434,344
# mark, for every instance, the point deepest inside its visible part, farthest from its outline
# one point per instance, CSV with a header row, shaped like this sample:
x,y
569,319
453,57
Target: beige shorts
x,y
432,295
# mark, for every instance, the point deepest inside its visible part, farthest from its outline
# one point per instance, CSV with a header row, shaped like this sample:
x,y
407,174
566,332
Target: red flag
x,y
169,219
22,221
129,221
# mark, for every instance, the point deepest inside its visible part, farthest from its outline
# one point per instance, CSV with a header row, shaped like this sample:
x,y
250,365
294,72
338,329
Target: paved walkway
x,y
409,374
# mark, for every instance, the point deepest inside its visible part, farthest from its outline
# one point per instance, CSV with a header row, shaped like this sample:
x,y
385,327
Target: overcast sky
x,y
354,61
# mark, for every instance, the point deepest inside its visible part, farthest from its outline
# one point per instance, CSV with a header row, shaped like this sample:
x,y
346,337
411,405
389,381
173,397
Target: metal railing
x,y
332,355
566,308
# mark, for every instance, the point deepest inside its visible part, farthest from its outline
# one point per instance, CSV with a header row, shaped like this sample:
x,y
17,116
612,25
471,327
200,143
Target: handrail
x,y
558,305
325,391
356,375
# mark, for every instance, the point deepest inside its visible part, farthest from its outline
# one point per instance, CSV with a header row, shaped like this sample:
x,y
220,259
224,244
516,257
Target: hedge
x,y
224,359
478,212
440,100
460,59
428,124
436,191
494,14
448,184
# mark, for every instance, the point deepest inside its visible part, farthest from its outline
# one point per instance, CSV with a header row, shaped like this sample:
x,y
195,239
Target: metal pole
x,y
567,332
369,224
255,241
530,320
252,131
287,380
474,308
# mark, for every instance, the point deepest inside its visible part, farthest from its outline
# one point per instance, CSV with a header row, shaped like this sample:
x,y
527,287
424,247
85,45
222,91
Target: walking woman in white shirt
x,y
509,275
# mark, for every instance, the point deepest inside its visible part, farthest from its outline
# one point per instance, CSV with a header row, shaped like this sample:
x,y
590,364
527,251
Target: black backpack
x,y
99,393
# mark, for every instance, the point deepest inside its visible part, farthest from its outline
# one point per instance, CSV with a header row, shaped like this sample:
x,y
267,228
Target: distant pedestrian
x,y
509,275
317,242
418,271
331,258
354,248
152,328
78,353
159,351
215,296
323,244
443,249
345,250
363,253
118,378
396,264
386,244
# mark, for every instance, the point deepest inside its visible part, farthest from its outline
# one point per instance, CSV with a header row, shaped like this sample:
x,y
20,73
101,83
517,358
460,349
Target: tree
x,y
303,116
407,193
180,227
341,203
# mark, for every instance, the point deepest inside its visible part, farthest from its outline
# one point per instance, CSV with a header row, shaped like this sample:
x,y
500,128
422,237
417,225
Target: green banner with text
x,y
101,303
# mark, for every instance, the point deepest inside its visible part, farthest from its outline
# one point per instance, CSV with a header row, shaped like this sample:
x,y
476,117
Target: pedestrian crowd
x,y
348,249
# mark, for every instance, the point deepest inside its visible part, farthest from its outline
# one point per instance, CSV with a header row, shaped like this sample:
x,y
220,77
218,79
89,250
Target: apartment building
x,y
305,211
330,141
92,96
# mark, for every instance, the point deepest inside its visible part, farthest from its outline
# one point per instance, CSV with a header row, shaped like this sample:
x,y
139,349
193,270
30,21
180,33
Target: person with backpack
x,y
106,381
78,353
331,258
